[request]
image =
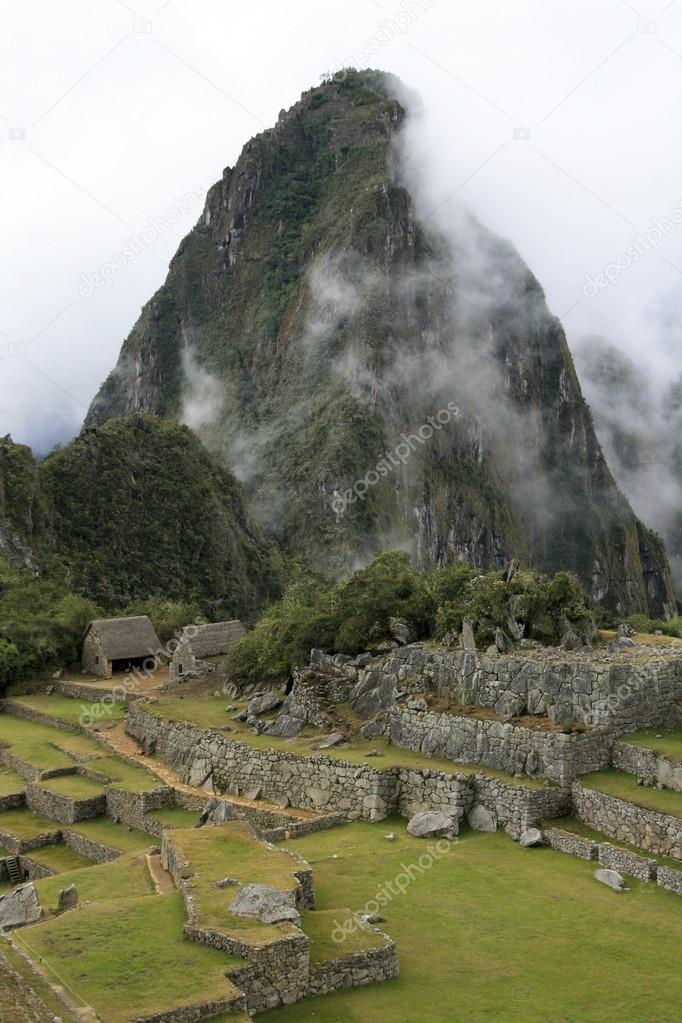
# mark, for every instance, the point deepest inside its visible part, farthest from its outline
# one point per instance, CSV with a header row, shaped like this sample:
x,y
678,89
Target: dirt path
x,y
162,878
116,737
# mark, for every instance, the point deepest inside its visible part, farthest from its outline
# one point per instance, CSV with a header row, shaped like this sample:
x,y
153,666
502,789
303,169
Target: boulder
x,y
400,631
216,811
376,727
481,819
262,704
503,644
615,646
362,660
67,899
433,824
333,739
611,878
626,630
269,905
530,837
285,726
19,907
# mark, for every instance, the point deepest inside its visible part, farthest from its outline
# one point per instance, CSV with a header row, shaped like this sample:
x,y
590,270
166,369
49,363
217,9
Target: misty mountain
x,y
373,380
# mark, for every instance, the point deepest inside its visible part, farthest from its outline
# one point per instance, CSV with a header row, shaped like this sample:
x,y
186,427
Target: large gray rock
x,y
333,739
285,727
615,646
530,837
468,638
263,704
216,811
433,824
68,898
481,819
374,692
268,905
611,878
20,907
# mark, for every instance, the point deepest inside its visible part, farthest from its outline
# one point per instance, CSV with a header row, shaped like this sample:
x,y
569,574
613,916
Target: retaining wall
x,y
655,832
63,808
647,765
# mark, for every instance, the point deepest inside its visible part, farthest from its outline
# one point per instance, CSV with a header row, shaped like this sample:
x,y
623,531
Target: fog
x,y
555,123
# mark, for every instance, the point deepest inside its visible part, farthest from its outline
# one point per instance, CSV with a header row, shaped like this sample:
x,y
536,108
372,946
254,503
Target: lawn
x,y
128,776
229,851
578,827
129,959
665,741
623,785
58,858
22,823
208,711
64,708
176,816
124,878
493,933
74,786
116,836
320,926
10,782
14,1007
46,747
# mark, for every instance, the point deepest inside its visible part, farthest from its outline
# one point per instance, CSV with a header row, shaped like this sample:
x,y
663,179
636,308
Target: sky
x,y
557,123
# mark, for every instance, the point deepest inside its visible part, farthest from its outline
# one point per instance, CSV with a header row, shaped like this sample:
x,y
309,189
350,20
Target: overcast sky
x,y
556,121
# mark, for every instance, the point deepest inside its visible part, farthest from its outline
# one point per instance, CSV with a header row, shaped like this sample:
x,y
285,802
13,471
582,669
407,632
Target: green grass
x,y
64,708
124,878
45,747
128,776
493,933
129,959
177,816
10,782
58,858
208,711
22,823
665,741
74,786
624,786
12,1000
229,851
320,926
116,836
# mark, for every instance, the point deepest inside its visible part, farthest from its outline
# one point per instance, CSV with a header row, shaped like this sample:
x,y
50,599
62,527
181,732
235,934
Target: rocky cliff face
x,y
372,382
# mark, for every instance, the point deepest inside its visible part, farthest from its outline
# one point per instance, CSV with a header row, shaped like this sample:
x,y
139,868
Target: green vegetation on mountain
x,y
353,615
335,325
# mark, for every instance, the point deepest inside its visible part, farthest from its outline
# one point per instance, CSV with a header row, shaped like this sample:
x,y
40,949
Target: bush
x,y
353,615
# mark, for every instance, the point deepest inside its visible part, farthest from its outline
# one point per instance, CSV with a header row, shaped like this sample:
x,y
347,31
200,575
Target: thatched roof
x,y
125,637
213,639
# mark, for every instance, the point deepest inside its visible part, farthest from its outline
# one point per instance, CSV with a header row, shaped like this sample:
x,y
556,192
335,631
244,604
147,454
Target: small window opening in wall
x,y
180,668
96,660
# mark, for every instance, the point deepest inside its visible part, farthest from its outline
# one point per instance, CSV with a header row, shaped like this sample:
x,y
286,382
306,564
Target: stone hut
x,y
201,646
118,644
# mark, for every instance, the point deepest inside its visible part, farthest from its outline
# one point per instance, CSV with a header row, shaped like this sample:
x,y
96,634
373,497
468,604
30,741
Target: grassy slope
x,y
135,949
63,708
124,878
624,786
117,836
498,933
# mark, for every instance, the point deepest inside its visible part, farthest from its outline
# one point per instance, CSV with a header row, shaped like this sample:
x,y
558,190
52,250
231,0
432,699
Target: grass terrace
x,y
74,786
175,816
522,934
64,708
208,711
623,785
230,851
667,742
23,824
124,878
10,782
127,776
321,924
578,827
128,959
59,858
108,832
